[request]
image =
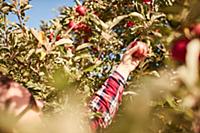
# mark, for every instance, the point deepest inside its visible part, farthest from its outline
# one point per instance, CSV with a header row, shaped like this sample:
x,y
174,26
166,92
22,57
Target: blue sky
x,y
43,10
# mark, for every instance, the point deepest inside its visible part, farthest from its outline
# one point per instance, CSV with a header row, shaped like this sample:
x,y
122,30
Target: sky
x,y
43,10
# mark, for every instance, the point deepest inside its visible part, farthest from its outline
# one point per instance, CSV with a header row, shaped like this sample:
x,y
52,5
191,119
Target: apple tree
x,y
73,54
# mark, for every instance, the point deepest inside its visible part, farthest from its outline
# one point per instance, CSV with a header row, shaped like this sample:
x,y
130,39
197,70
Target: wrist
x,y
122,69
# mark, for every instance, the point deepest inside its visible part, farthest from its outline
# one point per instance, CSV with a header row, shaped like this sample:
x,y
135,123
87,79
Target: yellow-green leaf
x,y
115,21
64,41
136,14
3,69
91,68
84,45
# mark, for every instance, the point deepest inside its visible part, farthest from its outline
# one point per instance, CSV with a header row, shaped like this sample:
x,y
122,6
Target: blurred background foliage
x,y
71,56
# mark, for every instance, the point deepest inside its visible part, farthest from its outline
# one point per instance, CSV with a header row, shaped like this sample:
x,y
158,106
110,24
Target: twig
x,y
5,30
20,21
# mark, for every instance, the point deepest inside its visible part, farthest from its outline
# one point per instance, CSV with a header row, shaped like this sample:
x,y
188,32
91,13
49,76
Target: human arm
x,y
108,98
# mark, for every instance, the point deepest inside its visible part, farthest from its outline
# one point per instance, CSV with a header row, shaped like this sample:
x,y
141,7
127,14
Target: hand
x,y
136,52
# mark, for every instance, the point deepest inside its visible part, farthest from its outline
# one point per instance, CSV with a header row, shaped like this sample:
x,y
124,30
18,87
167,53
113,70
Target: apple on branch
x,y
148,2
130,24
179,49
142,50
72,25
81,10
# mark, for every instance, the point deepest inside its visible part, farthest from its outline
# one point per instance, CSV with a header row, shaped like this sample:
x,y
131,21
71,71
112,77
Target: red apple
x,y
148,2
84,27
72,25
142,50
58,37
130,24
179,49
51,36
81,10
196,29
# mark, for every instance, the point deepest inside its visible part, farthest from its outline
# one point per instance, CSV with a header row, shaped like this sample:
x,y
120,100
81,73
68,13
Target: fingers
x,y
131,45
132,50
135,63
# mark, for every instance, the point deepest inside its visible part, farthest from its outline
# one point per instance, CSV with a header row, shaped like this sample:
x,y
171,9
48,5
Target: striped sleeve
x,y
106,100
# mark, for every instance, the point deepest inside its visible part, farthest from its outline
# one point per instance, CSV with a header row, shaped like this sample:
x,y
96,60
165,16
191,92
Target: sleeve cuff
x,y
119,77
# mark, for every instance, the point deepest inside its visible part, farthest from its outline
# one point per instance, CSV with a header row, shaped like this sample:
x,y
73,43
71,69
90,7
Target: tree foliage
x,y
62,60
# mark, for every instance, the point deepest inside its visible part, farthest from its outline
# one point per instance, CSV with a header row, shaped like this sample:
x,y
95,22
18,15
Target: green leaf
x,y
157,16
27,7
2,48
155,73
106,35
42,53
5,9
4,69
82,56
84,45
64,41
35,33
24,2
171,102
30,53
115,21
98,21
91,68
20,58
136,14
